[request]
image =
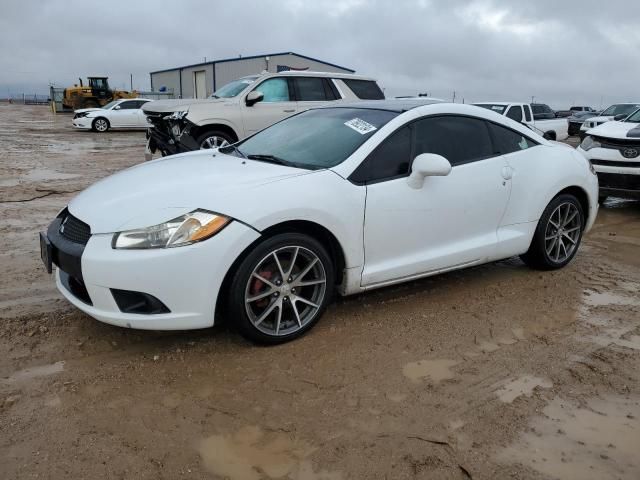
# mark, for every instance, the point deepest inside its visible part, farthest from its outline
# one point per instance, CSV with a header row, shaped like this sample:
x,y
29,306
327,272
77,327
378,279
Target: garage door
x,y
200,84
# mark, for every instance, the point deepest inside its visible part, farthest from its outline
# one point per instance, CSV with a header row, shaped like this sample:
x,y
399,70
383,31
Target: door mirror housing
x,y
254,97
427,165
117,107
620,116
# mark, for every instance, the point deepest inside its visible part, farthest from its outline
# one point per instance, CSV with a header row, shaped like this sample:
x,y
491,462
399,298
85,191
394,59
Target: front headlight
x,y
183,230
176,115
588,143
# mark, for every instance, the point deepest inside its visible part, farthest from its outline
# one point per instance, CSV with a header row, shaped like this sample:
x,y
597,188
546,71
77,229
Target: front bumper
x,y
617,176
82,123
186,279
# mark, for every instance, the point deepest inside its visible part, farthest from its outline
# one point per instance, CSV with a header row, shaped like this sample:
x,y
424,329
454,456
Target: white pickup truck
x,y
552,129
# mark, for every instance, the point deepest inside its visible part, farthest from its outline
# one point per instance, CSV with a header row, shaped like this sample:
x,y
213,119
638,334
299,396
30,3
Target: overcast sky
x,y
561,52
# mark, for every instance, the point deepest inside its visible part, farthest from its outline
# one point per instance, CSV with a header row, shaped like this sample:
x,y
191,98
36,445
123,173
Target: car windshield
x,y
621,109
316,139
234,88
110,105
634,117
492,106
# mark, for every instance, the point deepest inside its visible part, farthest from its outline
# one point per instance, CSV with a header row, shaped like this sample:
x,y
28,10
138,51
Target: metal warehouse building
x,y
202,79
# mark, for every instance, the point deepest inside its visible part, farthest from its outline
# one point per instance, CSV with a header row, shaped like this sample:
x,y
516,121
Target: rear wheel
x,y
281,289
214,139
100,124
558,234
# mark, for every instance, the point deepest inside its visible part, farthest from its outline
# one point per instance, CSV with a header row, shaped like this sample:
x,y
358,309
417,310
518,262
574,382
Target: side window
x,y
140,103
128,105
515,113
536,109
364,89
442,135
274,90
508,141
527,113
310,89
389,160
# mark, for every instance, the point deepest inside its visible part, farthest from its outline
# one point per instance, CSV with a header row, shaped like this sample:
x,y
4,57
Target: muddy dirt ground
x,y
493,372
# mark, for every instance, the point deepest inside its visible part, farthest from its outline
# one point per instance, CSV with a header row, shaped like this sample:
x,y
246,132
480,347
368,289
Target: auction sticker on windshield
x,y
360,126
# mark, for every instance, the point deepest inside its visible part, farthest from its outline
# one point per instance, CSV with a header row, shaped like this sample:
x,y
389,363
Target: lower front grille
x,y
74,229
614,180
614,163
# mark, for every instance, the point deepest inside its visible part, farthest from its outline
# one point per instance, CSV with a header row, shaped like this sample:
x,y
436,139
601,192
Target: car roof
x,y
309,73
392,104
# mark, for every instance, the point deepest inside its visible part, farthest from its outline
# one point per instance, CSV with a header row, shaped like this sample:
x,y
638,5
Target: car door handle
x,y
507,172
289,111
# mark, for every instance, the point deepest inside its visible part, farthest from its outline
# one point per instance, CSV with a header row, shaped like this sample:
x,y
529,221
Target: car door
x,y
313,92
124,114
451,221
277,104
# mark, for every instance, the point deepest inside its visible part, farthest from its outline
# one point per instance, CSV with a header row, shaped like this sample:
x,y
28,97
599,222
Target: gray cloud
x,y
579,51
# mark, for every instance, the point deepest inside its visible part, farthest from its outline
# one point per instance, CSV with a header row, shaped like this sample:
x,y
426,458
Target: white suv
x,y
247,105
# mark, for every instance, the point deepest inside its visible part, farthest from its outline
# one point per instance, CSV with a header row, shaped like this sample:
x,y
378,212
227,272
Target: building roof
x,y
235,59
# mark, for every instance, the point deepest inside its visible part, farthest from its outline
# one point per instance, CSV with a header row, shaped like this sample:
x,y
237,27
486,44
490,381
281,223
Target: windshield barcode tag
x,y
360,126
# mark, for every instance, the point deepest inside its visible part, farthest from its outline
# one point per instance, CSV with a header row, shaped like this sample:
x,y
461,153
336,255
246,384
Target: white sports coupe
x,y
124,113
336,199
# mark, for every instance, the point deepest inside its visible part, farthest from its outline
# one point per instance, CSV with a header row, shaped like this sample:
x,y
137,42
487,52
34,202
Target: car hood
x,y
620,130
157,191
94,109
166,106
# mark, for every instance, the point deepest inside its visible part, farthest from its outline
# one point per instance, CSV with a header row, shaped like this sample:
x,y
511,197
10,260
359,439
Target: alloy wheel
x,y
213,142
285,290
563,232
101,125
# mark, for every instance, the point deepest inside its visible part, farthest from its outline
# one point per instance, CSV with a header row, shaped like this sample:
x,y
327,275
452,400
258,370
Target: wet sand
x,y
493,372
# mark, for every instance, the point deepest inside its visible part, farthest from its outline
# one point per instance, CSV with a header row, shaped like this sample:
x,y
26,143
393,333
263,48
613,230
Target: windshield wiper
x,y
233,148
268,158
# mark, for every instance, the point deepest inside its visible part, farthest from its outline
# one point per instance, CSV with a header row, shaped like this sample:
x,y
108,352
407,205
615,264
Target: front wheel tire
x,y
558,234
213,139
100,125
281,288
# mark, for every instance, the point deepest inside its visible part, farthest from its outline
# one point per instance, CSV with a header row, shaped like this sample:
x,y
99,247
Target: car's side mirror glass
x,y
427,165
620,116
117,107
254,97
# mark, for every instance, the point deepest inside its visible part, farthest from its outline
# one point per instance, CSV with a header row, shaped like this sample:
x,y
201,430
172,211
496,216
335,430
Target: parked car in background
x,y
617,111
247,105
613,149
551,129
124,113
563,113
577,119
582,109
542,111
345,198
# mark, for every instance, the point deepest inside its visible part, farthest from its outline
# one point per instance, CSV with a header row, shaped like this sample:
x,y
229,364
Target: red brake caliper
x,y
257,286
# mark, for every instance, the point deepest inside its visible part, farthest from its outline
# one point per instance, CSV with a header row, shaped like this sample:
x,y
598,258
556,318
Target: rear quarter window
x,y
364,89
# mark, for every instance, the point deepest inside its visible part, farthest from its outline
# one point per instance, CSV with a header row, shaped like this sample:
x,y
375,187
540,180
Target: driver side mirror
x,y
254,97
117,107
427,165
620,116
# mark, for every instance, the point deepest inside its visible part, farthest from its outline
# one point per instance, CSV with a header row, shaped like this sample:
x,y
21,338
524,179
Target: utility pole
x,y
454,97
131,81
532,98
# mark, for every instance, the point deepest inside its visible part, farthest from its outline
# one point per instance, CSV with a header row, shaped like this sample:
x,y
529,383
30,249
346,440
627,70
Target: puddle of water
x,y
592,443
35,372
487,346
251,454
617,336
45,174
523,385
596,299
433,370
